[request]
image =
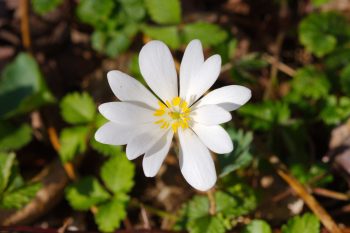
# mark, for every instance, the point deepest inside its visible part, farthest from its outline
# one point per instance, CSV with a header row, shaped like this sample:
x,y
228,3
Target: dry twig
x,y
25,30
68,166
313,204
331,194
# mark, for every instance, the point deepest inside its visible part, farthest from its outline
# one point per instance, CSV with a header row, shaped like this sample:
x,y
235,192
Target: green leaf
x,y
134,69
329,26
336,110
226,50
257,226
209,34
95,13
6,163
251,61
44,6
110,215
244,196
20,95
12,137
338,59
308,223
106,150
226,204
168,34
19,197
13,192
78,108
241,156
345,80
306,175
73,142
305,78
164,12
198,218
86,193
15,180
117,43
134,9
195,215
266,115
207,224
319,2
198,207
113,43
117,173
99,40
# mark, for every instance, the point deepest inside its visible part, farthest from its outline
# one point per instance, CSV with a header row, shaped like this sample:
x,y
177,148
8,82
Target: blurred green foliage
x,y
257,226
241,156
14,192
234,199
20,95
307,223
42,7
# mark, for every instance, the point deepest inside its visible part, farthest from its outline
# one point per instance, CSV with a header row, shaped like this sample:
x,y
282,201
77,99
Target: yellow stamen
x,y
161,105
174,126
165,125
176,101
159,112
183,105
174,113
159,121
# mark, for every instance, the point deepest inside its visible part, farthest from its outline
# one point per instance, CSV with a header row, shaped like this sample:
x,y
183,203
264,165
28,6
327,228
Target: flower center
x,y
174,114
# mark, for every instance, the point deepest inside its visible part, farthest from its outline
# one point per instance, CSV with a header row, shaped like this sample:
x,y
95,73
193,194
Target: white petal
x,y
115,134
204,79
230,97
214,137
155,156
126,113
196,163
158,69
143,141
192,60
210,115
127,88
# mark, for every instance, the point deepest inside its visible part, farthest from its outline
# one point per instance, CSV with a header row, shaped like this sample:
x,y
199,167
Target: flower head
x,y
147,123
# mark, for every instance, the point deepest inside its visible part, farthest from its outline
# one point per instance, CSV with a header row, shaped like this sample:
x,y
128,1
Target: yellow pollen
x,y
174,114
176,101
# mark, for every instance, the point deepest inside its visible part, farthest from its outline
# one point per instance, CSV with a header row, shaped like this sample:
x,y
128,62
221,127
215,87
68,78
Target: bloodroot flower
x,y
148,123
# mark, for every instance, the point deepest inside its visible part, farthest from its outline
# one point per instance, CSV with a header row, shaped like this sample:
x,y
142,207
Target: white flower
x,y
147,124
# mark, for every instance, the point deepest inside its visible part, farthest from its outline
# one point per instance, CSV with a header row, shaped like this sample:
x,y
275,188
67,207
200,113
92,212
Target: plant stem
x,y
212,203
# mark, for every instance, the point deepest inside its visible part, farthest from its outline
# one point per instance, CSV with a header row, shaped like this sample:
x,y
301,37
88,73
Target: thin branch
x,y
25,30
150,209
68,166
269,92
55,142
226,67
331,194
280,65
145,219
313,204
284,68
65,225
